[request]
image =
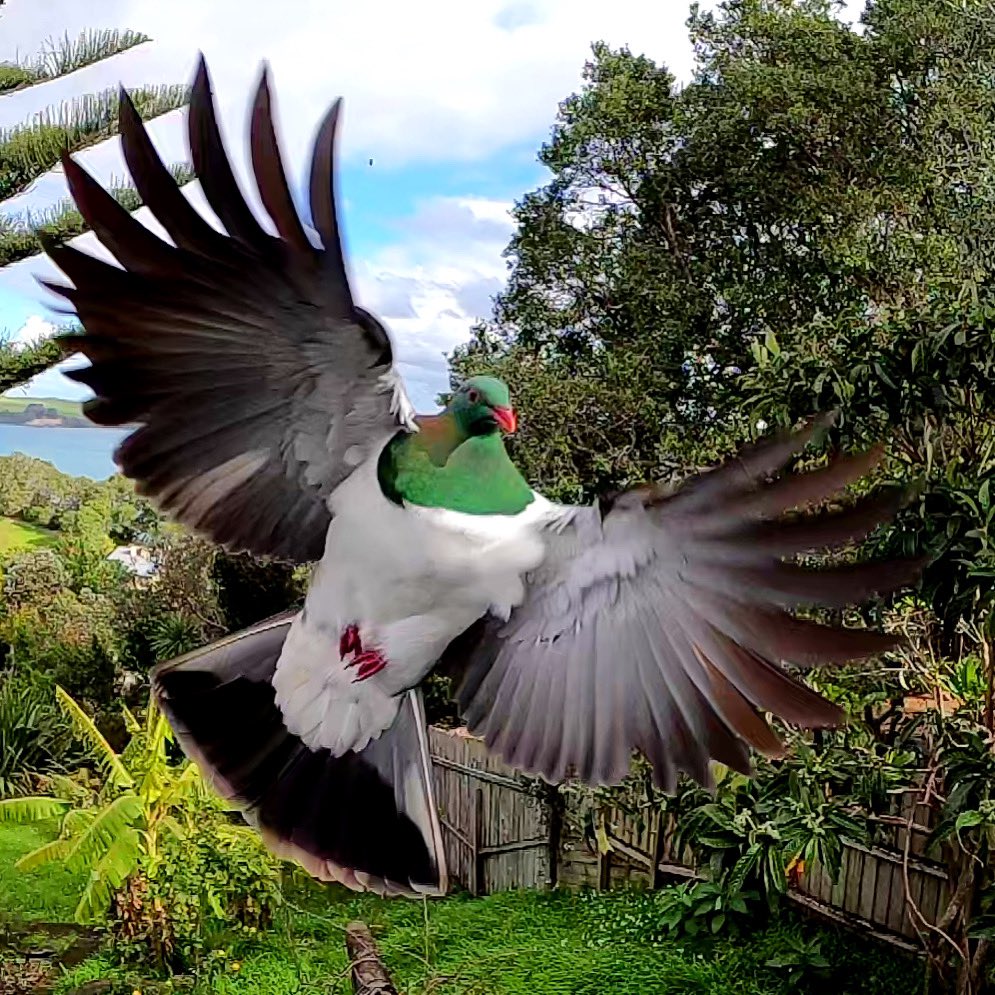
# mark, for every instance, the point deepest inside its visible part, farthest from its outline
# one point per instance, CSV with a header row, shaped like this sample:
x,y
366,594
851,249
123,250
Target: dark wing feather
x,y
660,623
257,383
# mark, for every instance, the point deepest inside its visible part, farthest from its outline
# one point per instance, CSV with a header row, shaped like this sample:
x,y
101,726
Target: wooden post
x,y
656,876
369,976
477,838
554,815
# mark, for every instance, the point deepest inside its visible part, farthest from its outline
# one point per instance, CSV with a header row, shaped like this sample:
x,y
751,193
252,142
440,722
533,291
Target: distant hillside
x,y
42,412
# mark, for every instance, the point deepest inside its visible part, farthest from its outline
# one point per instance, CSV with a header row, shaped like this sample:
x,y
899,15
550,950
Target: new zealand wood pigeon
x,y
273,420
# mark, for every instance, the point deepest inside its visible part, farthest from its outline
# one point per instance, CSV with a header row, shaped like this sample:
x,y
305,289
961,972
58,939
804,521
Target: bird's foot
x,y
369,662
349,641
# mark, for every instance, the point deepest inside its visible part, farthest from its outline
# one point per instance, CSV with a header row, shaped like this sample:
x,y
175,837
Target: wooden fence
x,y
503,832
495,825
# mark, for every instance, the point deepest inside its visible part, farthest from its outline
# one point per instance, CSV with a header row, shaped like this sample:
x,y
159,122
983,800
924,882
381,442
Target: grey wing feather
x,y
660,623
257,383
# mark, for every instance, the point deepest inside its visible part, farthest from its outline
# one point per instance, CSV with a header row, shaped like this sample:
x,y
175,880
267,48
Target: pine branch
x,y
30,151
19,234
67,56
19,365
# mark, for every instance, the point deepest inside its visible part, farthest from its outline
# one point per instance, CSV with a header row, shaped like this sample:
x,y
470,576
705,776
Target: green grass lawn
x,y
18,536
19,403
528,943
39,897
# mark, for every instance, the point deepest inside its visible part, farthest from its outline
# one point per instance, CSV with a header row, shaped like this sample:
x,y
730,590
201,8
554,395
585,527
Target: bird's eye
x,y
474,396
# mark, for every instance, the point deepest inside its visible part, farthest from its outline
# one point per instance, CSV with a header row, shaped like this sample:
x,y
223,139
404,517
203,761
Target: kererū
x,y
272,419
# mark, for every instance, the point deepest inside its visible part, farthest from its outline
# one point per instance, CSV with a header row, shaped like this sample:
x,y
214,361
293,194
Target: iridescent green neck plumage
x,y
441,466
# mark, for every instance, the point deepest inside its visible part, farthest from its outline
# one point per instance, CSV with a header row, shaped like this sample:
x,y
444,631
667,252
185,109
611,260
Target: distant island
x,y
47,412
43,412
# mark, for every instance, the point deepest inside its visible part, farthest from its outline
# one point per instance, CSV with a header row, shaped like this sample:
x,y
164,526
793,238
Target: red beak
x,y
506,418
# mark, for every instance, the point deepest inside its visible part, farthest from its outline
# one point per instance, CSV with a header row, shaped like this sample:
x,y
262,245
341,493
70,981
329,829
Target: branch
x,y
947,921
19,234
28,151
57,60
18,367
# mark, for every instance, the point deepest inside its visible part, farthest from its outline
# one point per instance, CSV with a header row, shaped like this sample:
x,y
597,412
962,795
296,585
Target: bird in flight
x,y
272,419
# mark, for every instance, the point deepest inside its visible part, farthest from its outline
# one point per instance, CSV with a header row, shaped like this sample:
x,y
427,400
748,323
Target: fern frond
x,y
100,749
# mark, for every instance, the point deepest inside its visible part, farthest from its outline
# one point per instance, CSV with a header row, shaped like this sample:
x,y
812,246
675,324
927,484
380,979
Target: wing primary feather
x,y
128,240
741,473
324,212
157,187
813,487
213,167
267,164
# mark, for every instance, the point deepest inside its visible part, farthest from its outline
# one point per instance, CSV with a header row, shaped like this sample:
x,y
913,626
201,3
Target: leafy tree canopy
x,y
806,225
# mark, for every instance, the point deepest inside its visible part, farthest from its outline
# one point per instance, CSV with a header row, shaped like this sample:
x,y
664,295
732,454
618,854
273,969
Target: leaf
x,y
100,749
55,850
33,808
130,722
112,823
111,871
967,819
601,836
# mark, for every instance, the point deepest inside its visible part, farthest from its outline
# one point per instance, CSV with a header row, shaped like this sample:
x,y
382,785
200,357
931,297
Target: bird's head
x,y
482,405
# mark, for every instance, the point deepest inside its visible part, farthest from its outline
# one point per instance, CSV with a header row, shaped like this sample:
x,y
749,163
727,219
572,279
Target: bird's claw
x,y
349,641
369,663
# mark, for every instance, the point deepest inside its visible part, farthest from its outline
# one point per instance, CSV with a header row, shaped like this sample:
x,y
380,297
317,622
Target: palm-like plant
x,y
29,150
112,832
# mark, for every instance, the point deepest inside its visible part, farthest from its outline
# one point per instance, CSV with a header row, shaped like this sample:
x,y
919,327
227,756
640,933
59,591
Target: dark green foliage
x,y
35,739
17,367
211,890
250,589
807,225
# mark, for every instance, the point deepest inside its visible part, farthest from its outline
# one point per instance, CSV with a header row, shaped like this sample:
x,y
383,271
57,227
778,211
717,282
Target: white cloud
x,y
429,288
443,82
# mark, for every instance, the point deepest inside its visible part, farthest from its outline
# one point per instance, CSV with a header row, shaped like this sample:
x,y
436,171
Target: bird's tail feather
x,y
366,819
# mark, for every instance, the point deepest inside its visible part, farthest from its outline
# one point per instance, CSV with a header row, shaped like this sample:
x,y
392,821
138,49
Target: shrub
x,y
157,846
35,739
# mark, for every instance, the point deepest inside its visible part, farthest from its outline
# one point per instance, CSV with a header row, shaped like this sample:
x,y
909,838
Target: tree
x,y
807,225
30,150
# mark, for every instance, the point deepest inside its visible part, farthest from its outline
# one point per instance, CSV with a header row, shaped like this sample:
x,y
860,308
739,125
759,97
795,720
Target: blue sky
x,y
450,99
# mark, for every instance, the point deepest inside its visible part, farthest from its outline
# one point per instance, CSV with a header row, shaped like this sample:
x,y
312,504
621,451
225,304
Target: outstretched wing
x,y
659,621
257,382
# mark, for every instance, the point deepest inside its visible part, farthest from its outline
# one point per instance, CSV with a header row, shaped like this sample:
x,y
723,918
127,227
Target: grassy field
x,y
47,897
527,943
17,536
19,403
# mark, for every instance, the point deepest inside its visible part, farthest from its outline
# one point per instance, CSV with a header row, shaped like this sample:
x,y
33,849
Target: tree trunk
x,y
369,976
